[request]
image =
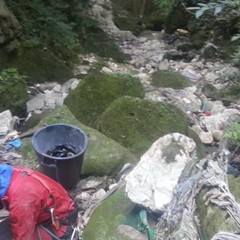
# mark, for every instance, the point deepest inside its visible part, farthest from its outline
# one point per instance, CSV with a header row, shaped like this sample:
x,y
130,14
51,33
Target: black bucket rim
x,y
59,158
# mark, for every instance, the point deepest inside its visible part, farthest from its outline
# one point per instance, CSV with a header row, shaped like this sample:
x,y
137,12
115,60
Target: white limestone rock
x,y
152,181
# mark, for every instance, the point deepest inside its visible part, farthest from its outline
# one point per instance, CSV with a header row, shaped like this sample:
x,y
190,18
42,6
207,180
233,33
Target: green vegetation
x,y
223,17
232,134
136,16
53,33
13,90
164,4
10,77
48,24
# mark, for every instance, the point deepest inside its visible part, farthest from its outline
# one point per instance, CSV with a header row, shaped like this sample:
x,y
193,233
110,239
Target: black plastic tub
x,y
64,169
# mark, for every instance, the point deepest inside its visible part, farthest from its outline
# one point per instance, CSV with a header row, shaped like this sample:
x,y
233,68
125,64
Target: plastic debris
x,y
145,226
17,143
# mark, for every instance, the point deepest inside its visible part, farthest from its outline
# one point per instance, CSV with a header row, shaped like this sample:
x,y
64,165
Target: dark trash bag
x,y
65,169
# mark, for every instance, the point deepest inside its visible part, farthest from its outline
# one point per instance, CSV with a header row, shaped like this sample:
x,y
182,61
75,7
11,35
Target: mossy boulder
x,y
168,79
201,149
103,155
97,91
98,42
136,123
210,91
38,65
125,17
227,95
233,184
106,218
213,219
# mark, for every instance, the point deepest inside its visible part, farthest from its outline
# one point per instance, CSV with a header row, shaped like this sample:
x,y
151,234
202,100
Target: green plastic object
x,y
145,226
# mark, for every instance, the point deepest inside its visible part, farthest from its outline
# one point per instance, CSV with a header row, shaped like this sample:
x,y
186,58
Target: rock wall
x,y
9,25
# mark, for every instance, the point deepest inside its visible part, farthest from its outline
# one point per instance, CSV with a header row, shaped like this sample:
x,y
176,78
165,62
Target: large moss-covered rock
x,y
106,218
96,92
201,149
103,155
168,79
213,219
229,94
98,42
38,65
137,123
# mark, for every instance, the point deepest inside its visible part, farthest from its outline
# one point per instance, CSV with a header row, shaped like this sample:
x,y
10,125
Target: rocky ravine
x,y
209,119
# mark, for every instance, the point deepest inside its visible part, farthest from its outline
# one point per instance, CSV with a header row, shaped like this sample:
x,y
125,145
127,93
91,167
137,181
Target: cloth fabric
x,y
29,197
5,178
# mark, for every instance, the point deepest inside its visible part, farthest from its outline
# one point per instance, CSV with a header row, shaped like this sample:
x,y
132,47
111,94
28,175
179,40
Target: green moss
x,y
95,93
124,20
14,99
200,147
99,43
210,90
233,184
37,65
13,90
29,156
168,79
105,219
137,123
232,135
103,155
213,219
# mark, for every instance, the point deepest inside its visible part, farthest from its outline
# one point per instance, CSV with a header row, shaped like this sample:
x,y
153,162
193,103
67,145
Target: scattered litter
x,y
16,143
207,113
8,157
145,226
10,136
64,150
